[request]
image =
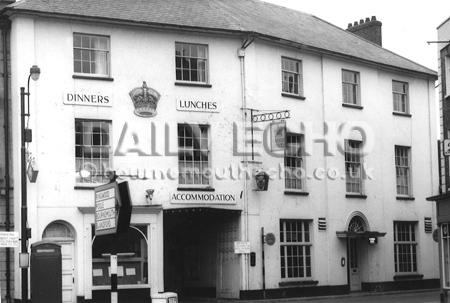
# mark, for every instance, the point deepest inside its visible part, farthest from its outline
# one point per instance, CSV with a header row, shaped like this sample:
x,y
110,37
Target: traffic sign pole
x,y
113,267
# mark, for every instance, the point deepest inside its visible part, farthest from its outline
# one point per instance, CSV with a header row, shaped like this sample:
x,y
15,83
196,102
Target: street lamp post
x,y
25,138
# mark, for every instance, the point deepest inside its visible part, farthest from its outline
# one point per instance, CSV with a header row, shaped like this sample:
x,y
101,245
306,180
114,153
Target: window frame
x,y
300,156
409,171
209,179
357,84
298,74
108,55
348,153
405,94
105,179
207,59
413,254
302,244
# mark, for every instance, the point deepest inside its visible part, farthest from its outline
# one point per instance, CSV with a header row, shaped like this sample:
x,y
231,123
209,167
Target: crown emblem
x,y
145,100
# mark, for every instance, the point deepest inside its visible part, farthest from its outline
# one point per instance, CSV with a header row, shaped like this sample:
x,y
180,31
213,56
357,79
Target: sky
x,y
407,25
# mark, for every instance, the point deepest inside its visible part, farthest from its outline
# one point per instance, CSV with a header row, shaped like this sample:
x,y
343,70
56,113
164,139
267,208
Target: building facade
x,y
179,106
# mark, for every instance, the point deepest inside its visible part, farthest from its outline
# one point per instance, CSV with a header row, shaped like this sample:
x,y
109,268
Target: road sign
x,y
9,239
447,147
106,209
241,247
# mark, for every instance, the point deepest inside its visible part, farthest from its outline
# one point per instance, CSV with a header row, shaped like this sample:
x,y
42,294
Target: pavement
x,y
428,296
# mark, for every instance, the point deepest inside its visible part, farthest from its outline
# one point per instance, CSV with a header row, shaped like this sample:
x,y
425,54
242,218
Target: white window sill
x,y
129,286
93,77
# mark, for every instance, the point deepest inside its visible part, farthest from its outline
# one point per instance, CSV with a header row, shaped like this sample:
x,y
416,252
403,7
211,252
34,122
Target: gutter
x,y
5,26
11,11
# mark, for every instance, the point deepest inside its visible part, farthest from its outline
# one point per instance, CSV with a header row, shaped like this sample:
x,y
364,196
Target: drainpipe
x,y
5,26
241,55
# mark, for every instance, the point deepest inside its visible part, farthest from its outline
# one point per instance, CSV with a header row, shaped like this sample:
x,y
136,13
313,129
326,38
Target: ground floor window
x,y
295,249
445,235
405,247
132,257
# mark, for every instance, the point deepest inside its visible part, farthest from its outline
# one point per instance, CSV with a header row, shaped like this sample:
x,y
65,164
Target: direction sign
x,y
9,239
106,209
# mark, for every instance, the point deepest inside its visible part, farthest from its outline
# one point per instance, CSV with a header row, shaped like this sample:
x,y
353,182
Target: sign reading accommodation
x,y
203,198
197,105
9,239
105,209
89,99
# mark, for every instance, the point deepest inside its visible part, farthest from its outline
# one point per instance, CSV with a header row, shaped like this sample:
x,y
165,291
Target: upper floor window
x,y
293,161
405,247
291,76
403,170
351,90
295,249
191,62
400,97
353,167
92,150
193,154
91,54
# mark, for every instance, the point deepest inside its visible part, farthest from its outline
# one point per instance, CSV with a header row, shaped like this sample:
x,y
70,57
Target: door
x,y
228,265
68,275
353,263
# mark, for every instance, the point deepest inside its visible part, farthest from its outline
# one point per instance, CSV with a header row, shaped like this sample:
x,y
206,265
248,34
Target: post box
x,y
46,278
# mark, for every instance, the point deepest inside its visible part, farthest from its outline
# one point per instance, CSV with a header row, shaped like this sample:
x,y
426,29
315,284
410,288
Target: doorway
x,y
199,259
354,267
60,233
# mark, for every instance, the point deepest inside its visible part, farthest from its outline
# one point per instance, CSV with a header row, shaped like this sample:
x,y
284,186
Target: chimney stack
x,y
370,29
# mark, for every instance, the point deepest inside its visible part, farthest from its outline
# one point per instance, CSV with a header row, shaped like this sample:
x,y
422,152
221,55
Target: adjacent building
x,y
181,98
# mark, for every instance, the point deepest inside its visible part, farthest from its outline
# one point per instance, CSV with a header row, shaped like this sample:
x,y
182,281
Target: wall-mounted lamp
x,y
149,195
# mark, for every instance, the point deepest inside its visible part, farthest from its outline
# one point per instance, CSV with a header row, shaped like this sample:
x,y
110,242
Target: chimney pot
x,y
368,28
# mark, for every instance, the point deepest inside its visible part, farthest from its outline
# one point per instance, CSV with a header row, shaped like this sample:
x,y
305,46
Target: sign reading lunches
x,y
203,198
9,239
88,99
195,105
105,209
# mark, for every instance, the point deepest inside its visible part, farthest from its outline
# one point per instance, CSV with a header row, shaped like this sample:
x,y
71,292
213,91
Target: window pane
x,y
91,54
190,62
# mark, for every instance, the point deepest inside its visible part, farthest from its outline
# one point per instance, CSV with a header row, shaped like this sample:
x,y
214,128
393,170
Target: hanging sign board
x,y
277,136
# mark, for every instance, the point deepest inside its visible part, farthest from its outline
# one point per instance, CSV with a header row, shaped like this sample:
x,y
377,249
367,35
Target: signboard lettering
x,y
105,209
90,99
210,198
194,105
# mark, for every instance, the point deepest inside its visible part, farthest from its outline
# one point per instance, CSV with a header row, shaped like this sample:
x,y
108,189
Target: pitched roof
x,y
246,16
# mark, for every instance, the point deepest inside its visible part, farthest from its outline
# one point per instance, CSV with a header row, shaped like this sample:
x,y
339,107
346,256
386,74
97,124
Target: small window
x,y
353,167
400,97
91,54
350,87
293,161
92,150
191,62
403,170
291,76
295,249
193,154
405,247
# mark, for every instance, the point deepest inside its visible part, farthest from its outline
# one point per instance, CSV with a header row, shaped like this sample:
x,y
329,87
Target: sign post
x,y
112,216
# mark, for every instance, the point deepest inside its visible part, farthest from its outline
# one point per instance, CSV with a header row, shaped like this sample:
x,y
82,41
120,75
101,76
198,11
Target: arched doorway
x,y
62,233
357,225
